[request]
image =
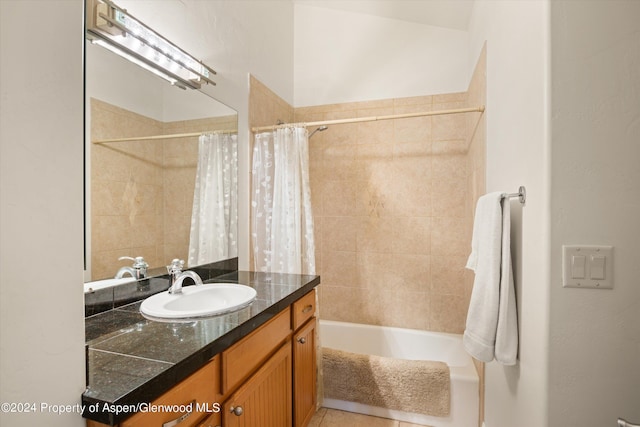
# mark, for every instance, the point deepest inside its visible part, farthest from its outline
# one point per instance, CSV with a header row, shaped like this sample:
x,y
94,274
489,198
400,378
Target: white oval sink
x,y
198,301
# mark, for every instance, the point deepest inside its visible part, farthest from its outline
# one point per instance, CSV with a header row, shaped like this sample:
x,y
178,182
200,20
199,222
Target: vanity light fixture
x,y
115,29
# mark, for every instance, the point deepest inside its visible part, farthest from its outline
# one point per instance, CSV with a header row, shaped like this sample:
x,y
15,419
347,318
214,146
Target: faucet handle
x,y
176,266
138,262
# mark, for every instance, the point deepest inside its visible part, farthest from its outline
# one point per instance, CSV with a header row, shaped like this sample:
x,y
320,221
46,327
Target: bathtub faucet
x,y
138,270
178,276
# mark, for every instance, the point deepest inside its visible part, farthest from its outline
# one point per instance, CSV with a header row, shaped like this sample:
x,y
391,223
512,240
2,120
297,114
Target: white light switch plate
x,y
587,266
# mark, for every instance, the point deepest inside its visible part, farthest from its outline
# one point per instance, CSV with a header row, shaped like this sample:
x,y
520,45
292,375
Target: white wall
x,y
41,246
579,349
41,185
345,57
516,34
595,334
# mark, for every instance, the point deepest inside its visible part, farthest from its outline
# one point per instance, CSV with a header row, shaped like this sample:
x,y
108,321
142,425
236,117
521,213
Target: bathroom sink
x,y
106,283
198,301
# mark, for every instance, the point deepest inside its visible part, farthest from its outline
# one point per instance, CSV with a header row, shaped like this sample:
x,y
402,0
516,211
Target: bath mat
x,y
418,386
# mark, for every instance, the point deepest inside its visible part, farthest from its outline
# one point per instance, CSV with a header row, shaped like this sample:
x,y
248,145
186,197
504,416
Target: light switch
x,y
587,266
577,266
598,267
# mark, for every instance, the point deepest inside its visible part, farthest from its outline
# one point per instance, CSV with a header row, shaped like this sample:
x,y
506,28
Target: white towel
x,y
492,325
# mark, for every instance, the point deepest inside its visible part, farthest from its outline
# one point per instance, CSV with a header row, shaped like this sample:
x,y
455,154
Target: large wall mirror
x,y
140,192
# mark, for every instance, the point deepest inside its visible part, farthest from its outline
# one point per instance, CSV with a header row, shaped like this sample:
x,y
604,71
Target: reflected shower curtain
x,y
281,217
214,218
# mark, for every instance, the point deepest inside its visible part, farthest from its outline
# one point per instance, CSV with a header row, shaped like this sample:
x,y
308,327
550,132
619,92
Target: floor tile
x,y
334,418
325,417
316,420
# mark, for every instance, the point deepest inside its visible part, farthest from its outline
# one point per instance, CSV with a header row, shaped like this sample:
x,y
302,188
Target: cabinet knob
x,y
237,410
302,340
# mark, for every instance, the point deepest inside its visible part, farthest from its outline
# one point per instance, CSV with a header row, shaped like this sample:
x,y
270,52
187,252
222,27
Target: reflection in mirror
x,y
141,191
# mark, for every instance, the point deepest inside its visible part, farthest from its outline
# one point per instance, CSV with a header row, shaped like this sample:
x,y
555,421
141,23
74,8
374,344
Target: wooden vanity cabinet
x,y
304,374
267,379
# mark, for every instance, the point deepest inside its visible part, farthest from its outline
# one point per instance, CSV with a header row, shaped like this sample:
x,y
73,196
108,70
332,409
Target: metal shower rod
x,y
479,109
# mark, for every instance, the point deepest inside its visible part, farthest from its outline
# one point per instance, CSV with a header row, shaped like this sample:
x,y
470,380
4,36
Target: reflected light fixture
x,y
113,28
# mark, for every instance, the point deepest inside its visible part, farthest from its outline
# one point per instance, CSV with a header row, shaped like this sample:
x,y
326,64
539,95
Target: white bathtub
x,y
413,345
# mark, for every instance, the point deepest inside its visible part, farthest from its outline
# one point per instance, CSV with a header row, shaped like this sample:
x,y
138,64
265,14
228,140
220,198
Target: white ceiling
x,y
453,14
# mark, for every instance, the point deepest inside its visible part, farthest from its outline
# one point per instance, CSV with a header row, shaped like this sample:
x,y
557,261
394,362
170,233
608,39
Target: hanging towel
x,y
492,325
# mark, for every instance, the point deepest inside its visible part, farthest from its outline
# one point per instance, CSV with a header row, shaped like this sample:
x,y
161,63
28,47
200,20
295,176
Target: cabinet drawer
x,y
239,361
304,309
198,390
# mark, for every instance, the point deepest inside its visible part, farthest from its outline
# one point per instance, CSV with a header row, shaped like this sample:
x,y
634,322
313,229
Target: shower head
x,y
321,128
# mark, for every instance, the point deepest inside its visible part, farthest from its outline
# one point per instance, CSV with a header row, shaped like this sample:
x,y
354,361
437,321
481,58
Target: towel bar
x,y
521,194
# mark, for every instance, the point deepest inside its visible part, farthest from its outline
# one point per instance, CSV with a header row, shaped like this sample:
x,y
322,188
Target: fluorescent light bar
x,y
126,36
136,61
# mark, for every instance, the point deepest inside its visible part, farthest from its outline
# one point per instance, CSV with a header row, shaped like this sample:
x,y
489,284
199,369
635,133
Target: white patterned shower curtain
x,y
281,216
214,218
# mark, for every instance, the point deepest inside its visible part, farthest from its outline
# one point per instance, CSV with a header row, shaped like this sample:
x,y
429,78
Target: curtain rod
x,y
479,109
175,135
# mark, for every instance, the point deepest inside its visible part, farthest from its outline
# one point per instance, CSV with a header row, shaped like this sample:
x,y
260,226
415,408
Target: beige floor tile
x,y
316,420
403,424
335,418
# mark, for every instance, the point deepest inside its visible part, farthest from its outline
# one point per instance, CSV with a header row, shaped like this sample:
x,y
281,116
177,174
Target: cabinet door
x,y
304,374
214,420
264,400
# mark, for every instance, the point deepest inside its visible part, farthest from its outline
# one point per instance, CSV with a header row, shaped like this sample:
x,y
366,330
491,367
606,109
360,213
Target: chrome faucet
x,y
137,271
178,276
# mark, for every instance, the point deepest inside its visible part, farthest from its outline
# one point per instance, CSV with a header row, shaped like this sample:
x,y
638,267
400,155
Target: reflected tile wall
x,y
141,191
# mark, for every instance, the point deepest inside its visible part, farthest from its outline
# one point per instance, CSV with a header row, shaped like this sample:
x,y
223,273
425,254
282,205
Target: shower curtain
x,y
214,218
281,216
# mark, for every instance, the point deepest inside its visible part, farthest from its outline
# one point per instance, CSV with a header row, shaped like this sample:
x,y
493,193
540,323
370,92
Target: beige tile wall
x,y
141,191
393,204
392,207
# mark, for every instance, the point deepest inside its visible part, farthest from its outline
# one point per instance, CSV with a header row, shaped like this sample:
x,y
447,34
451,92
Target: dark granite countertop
x,y
133,360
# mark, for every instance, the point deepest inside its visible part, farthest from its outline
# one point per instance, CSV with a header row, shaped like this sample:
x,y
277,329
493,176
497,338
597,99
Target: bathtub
x,y
413,345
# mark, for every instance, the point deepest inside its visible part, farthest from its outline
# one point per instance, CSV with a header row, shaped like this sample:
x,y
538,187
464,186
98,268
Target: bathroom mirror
x,y
140,193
